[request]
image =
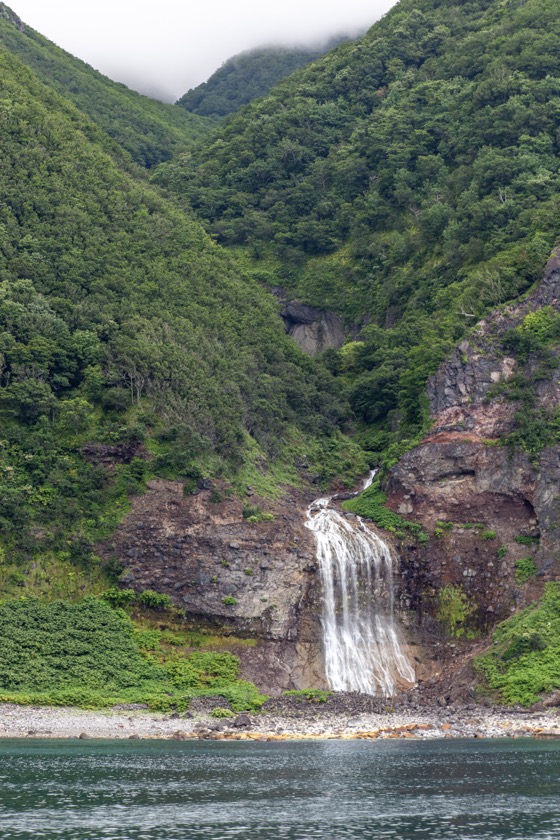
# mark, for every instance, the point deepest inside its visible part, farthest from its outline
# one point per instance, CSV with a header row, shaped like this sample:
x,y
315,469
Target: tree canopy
x,y
249,75
409,180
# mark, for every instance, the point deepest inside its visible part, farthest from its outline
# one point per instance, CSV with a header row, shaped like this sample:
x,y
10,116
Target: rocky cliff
x,y
485,482
252,580
313,330
11,17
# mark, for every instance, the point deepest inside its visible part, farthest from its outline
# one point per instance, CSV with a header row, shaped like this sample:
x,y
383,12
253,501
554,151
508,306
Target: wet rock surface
x,y
314,330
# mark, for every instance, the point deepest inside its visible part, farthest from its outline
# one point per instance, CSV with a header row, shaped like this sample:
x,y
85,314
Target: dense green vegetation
x,y
409,180
247,76
149,130
91,655
372,505
122,325
524,660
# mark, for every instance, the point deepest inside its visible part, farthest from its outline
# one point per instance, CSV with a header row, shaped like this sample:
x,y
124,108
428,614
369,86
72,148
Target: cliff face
x,y
486,505
256,580
312,329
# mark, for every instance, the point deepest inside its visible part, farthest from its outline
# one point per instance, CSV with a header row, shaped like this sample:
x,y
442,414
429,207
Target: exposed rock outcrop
x,y
498,504
11,17
247,579
313,329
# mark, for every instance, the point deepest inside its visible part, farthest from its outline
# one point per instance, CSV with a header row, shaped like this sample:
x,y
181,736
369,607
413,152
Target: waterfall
x,y
363,651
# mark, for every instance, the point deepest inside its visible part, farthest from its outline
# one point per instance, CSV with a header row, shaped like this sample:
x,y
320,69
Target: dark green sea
x,y
149,790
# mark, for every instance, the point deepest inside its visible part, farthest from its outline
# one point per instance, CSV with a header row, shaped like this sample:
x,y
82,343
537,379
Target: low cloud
x,y
165,48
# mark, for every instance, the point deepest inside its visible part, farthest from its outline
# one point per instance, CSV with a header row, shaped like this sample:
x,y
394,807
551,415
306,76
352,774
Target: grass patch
x,y
371,504
522,539
336,456
253,513
525,570
524,659
310,695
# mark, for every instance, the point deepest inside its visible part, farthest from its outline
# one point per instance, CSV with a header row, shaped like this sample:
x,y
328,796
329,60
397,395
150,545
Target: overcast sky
x,y
165,47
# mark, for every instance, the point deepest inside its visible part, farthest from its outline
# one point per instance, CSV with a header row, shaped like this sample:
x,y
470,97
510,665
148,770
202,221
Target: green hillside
x,y
248,76
409,181
150,131
123,327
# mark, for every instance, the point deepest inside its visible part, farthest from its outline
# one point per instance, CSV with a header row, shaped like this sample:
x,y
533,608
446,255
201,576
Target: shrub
x,y
523,539
525,569
91,655
488,535
253,513
116,399
119,597
229,601
220,712
312,695
524,658
154,600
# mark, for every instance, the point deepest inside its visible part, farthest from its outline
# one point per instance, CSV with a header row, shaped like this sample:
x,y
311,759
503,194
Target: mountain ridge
x,y
250,75
149,130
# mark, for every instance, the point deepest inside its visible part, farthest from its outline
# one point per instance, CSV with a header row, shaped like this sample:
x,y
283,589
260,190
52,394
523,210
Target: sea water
x,y
147,790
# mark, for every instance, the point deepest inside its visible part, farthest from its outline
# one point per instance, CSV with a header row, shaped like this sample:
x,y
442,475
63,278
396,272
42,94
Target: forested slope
x,y
126,337
248,76
150,131
409,181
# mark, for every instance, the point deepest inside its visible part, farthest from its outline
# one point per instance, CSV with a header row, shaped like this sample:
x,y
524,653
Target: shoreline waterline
x,y
31,722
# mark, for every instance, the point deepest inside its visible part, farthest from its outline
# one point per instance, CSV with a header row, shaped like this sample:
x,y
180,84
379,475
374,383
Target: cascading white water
x,y
363,651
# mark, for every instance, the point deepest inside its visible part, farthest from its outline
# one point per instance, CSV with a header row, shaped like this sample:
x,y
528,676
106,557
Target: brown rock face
x,y
253,580
11,17
462,476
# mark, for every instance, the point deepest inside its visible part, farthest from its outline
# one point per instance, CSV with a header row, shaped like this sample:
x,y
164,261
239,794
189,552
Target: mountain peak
x,y
11,17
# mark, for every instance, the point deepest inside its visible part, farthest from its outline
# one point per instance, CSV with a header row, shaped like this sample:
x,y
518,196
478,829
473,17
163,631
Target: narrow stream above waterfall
x,y
362,640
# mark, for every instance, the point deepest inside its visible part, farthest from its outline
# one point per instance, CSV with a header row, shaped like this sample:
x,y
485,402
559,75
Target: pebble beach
x,y
33,722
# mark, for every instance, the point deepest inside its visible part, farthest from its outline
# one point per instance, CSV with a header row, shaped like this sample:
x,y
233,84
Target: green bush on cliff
x,y
454,611
89,654
523,661
371,504
525,569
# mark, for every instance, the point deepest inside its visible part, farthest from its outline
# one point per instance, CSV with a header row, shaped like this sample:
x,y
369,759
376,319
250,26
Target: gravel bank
x,y
473,722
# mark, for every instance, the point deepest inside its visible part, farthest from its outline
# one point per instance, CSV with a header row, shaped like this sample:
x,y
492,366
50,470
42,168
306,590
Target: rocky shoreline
x,y
133,723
